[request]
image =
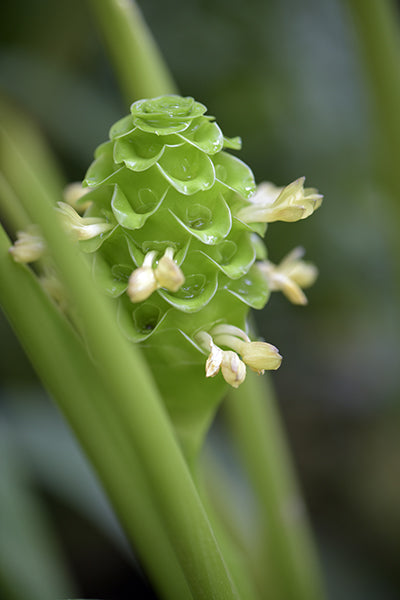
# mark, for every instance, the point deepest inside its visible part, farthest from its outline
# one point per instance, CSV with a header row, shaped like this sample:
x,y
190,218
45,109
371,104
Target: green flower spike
x,y
172,231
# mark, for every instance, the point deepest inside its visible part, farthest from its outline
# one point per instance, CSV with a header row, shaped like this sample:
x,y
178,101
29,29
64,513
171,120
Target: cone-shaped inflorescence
x,y
177,257
172,225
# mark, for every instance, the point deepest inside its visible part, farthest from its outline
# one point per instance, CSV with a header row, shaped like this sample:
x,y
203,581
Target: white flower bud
x,y
233,369
167,272
29,246
259,356
73,193
84,228
142,282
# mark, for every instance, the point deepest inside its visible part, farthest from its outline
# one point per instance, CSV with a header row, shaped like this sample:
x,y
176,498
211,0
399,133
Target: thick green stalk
x,y
12,212
307,580
138,63
136,402
27,135
233,552
78,390
290,562
377,28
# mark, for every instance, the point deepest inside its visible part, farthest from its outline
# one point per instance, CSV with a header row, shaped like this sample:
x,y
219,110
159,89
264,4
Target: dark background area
x,y
288,77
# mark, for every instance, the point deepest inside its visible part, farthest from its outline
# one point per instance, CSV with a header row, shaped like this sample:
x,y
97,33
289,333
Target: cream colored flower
x,y
73,193
167,272
142,282
271,203
290,275
83,228
29,245
232,368
214,360
145,280
259,356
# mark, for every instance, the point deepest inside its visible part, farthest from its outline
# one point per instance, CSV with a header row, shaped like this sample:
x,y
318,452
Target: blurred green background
x,y
289,77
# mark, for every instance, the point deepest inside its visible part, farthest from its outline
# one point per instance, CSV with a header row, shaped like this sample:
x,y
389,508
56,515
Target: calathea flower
x,y
172,225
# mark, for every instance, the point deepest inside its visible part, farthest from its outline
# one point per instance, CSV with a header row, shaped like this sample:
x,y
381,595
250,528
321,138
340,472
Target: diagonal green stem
x,y
290,567
139,65
78,390
13,213
377,29
233,552
139,411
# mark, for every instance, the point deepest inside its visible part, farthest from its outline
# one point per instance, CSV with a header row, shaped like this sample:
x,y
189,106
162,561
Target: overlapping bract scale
x,y
165,181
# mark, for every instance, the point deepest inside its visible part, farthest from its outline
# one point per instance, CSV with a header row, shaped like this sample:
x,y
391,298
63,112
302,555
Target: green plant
x,y
171,233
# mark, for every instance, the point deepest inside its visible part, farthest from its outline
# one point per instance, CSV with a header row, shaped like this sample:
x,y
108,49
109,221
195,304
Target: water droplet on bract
x,y
146,200
225,252
194,285
198,217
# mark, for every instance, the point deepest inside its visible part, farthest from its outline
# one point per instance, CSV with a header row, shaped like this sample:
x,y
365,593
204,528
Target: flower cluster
x,y
170,223
259,356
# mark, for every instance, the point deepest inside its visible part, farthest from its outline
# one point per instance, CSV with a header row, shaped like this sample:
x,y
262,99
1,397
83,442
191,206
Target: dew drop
x,y
198,217
193,286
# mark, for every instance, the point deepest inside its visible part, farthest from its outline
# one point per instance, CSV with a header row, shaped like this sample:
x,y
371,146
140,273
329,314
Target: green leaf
x,y
233,258
234,173
187,168
258,228
161,126
205,135
138,151
199,287
171,107
137,196
101,168
124,212
111,280
234,143
252,288
122,127
209,222
138,322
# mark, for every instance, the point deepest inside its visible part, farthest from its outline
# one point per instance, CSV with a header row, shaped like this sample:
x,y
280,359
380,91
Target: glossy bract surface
x,y
164,180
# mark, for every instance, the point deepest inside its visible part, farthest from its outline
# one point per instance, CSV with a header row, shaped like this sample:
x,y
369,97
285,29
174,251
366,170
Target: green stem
x,y
138,63
13,213
126,377
234,552
27,135
290,563
77,389
377,29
